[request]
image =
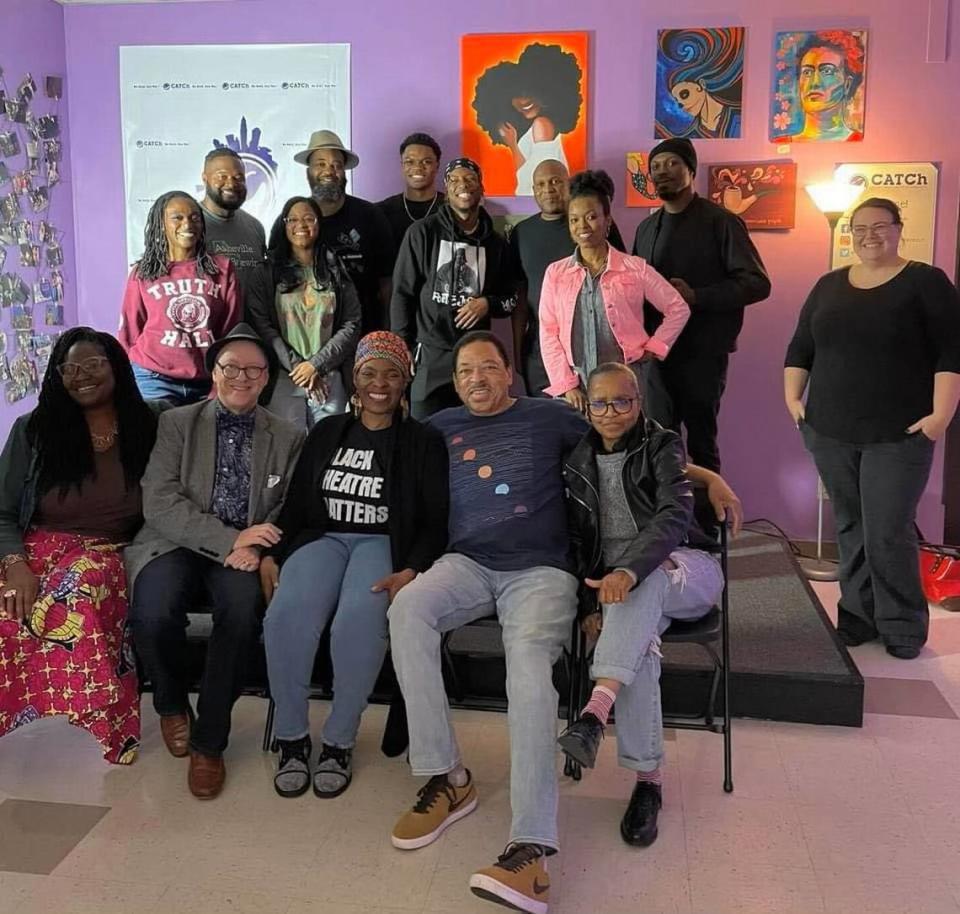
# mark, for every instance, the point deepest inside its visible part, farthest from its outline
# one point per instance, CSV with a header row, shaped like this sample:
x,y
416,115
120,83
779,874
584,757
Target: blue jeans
x,y
628,649
536,608
155,386
331,576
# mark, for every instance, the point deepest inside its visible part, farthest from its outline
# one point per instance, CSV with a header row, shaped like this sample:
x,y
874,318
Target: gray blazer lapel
x,y
262,448
202,453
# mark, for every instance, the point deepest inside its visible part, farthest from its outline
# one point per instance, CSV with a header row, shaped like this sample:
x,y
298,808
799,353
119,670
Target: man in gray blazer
x,y
214,484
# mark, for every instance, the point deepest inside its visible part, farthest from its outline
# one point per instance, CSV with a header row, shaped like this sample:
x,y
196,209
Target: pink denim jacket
x,y
625,283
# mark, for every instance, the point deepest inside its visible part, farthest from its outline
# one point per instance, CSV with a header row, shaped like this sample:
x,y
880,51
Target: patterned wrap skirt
x,y
73,654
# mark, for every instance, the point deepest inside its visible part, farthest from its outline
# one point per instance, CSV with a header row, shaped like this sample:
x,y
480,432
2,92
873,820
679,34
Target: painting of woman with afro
x,y
699,83
524,108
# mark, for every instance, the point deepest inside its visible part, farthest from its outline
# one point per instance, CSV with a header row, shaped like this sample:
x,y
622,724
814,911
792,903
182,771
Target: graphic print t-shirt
x,y
507,507
461,269
167,324
356,482
359,234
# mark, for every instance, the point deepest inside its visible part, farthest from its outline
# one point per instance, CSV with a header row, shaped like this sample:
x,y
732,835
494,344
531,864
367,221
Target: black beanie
x,y
678,146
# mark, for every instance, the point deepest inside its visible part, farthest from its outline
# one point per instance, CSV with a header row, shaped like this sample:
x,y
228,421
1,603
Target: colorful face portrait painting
x,y
819,82
523,102
640,189
763,194
699,83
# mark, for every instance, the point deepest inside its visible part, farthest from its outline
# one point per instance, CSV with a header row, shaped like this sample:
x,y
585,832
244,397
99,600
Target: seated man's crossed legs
x,y
536,608
626,670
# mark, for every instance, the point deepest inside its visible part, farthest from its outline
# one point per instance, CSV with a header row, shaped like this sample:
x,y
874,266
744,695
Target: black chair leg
x,y
268,739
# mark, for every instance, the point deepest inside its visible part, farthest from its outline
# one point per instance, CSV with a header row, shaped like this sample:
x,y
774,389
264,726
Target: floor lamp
x,y
833,199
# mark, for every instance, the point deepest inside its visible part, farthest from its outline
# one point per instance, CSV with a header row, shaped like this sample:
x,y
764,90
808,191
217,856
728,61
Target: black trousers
x,y
164,591
686,392
874,491
427,404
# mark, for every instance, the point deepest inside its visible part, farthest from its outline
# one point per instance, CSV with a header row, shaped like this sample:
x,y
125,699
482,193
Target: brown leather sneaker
x,y
175,729
206,775
517,880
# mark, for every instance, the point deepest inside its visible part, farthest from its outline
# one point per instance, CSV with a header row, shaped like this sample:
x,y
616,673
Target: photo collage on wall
x,y
31,248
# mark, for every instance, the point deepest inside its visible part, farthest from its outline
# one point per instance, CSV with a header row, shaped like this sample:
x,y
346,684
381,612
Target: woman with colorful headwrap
x,y
366,511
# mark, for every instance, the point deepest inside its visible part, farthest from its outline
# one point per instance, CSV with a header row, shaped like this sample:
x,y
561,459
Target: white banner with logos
x,y
262,100
912,186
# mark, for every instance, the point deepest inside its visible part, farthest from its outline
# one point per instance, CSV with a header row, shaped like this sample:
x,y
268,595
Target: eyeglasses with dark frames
x,y
250,372
621,406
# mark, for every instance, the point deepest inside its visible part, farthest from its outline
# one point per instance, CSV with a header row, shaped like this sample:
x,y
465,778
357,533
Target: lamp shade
x,y
834,196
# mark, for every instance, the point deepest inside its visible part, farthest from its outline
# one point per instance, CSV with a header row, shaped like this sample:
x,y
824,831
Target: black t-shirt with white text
x,y
356,483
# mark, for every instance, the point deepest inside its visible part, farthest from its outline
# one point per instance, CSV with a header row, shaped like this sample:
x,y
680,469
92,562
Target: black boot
x,y
581,740
639,823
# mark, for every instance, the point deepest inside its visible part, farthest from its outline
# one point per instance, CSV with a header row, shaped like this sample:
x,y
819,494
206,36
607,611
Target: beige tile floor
x,y
824,820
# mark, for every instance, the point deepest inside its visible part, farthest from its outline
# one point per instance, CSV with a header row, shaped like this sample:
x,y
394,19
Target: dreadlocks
x,y
155,261
57,428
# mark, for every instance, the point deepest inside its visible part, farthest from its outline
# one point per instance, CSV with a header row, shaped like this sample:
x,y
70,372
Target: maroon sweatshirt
x,y
166,324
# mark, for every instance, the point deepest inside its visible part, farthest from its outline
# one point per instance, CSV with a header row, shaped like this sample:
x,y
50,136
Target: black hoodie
x,y
438,268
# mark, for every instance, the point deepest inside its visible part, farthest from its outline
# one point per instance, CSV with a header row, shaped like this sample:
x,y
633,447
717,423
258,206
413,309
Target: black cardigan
x,y
419,493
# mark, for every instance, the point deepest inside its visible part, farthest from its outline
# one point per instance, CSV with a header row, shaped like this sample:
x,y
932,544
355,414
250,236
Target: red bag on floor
x,y
940,572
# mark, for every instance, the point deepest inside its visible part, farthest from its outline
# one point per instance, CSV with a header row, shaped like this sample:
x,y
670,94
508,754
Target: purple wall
x,y
405,76
32,41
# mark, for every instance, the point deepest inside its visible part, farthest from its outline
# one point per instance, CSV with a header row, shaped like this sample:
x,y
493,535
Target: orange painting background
x,y
477,54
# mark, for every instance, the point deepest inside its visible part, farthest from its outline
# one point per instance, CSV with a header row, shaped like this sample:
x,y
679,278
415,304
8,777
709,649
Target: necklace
x,y
410,215
105,441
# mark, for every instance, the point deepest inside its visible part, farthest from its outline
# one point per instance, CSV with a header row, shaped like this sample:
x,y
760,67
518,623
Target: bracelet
x,y
13,559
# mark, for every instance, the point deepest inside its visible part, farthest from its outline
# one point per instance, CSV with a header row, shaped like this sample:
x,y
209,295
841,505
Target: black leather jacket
x,y
658,492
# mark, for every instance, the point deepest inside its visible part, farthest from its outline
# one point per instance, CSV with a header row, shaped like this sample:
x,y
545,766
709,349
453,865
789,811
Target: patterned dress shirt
x,y
231,485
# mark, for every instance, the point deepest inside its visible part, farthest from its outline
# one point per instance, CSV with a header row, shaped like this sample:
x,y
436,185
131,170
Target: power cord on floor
x,y
756,526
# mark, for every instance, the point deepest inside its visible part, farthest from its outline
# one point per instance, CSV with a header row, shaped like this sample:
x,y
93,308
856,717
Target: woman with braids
x,y
69,500
179,299
591,303
527,106
311,317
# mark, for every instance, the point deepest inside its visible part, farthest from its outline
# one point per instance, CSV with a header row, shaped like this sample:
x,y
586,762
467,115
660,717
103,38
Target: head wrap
x,y
679,146
382,344
462,162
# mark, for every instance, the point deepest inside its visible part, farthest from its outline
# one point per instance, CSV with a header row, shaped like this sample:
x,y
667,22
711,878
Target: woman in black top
x,y
366,511
879,345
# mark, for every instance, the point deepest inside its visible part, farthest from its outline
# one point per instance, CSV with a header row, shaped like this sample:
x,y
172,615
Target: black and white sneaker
x,y
293,773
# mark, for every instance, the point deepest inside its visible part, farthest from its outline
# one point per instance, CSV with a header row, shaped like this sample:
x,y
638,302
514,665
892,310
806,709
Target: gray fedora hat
x,y
327,139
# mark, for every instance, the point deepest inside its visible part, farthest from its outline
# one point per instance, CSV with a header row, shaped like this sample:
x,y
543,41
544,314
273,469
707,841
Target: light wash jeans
x,y
333,574
536,608
155,386
628,649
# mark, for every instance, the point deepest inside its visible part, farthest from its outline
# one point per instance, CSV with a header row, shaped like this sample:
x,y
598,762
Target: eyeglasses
x,y
621,406
250,372
92,365
878,228
296,220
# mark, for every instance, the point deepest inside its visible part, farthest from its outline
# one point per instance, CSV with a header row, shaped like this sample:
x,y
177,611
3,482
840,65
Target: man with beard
x,y
354,229
707,255
230,231
453,273
537,242
419,162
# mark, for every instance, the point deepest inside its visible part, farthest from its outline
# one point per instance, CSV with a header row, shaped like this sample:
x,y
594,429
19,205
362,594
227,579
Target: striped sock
x,y
600,704
650,777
